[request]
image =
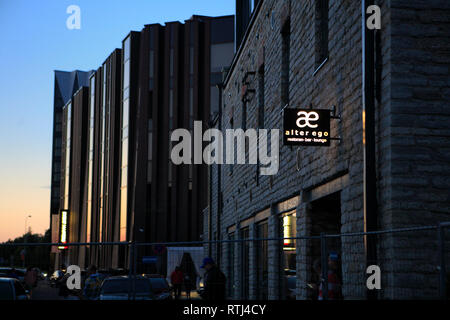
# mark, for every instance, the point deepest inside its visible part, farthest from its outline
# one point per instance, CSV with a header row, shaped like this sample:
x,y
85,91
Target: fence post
x,y
241,266
130,271
442,269
324,265
134,269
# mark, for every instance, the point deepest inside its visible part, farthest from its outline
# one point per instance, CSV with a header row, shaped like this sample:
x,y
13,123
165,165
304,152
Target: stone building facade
x,y
285,61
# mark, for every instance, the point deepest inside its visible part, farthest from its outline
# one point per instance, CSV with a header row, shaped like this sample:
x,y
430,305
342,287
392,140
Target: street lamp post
x,y
26,220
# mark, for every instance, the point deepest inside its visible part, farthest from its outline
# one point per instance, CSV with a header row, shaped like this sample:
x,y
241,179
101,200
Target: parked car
x,y
19,272
118,288
12,289
160,286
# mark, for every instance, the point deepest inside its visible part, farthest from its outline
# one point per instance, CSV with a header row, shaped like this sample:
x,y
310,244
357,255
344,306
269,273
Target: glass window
x,y
126,74
171,64
262,261
125,152
191,60
214,100
288,255
221,56
152,63
123,214
261,98
126,49
321,31
150,140
285,66
245,275
125,133
124,177
126,113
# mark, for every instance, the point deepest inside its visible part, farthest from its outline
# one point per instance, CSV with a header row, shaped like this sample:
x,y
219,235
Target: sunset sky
x,y
35,42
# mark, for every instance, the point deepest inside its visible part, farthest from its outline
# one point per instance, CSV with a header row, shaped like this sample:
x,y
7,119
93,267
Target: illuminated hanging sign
x,y
306,127
64,227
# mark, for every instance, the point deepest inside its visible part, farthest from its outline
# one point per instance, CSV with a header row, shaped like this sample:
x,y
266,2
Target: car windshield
x,y
5,291
116,286
158,283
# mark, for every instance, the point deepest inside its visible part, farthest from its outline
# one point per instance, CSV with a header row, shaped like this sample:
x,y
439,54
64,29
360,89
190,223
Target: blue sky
x,y
34,42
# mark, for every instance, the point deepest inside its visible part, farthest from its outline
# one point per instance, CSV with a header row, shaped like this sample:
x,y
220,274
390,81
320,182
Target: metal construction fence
x,y
410,263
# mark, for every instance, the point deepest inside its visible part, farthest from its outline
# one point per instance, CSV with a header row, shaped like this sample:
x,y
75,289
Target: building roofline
x,y
80,89
111,54
243,41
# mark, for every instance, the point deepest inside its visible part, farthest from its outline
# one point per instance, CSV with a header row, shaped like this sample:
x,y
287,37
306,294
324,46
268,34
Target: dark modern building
x,y
66,84
388,170
163,78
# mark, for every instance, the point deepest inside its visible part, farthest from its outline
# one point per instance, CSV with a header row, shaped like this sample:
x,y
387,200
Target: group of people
x,y
90,289
214,282
334,283
178,279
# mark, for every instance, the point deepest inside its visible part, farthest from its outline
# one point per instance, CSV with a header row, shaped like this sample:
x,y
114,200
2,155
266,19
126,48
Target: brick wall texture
x,y
412,143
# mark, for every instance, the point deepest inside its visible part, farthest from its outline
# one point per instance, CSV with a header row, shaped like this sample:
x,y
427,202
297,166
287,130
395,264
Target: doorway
x,y
325,218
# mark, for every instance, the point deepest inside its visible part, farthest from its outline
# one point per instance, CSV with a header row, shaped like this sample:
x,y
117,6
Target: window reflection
x,y
124,129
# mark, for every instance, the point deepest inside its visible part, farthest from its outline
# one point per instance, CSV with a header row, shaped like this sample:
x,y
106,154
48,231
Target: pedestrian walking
x,y
176,278
188,286
62,284
334,284
30,279
214,281
92,284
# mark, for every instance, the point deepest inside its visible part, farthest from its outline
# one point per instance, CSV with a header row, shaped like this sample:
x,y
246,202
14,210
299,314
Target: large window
x,y
150,150
104,145
321,27
124,140
245,257
67,154
261,97
285,62
91,158
262,260
288,230
152,60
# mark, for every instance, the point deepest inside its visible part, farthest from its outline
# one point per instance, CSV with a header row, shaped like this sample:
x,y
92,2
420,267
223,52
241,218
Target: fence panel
x,y
408,264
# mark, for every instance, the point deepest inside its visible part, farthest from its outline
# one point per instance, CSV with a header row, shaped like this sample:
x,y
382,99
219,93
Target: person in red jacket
x,y
176,278
334,283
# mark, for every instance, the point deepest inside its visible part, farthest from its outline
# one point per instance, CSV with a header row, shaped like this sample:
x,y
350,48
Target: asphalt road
x,y
44,292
